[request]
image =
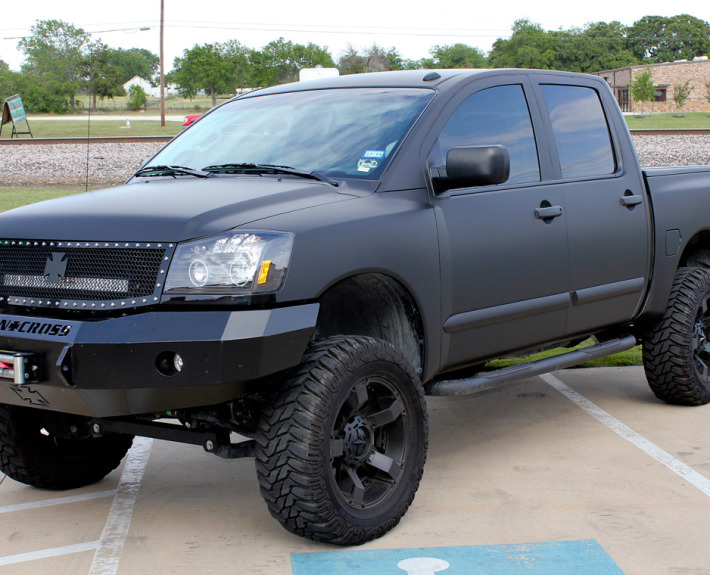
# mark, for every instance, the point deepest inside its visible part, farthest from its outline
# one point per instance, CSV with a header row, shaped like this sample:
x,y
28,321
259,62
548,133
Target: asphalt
x,y
557,475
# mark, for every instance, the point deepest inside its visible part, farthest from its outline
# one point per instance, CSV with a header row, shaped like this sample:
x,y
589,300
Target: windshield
x,y
338,132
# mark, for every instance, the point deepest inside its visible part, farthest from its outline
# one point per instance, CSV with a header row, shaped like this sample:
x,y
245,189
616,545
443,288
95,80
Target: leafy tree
x,y
6,83
136,98
239,57
643,89
529,46
377,60
207,67
681,93
55,56
706,95
280,61
457,56
597,46
104,78
665,39
134,62
351,62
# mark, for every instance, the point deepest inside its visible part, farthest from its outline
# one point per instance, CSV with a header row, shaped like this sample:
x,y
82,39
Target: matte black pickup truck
x,y
305,262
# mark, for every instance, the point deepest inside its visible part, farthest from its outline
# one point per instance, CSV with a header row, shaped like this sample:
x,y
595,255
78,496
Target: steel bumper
x,y
148,362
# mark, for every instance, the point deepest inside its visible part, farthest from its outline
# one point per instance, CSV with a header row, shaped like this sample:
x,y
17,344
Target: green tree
x,y
104,79
665,39
378,60
681,93
351,61
134,62
280,61
529,46
706,95
6,80
457,56
137,98
208,68
55,56
597,46
239,58
643,89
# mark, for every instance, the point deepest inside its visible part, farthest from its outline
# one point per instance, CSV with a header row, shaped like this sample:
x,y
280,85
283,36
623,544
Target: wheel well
x,y
373,305
697,252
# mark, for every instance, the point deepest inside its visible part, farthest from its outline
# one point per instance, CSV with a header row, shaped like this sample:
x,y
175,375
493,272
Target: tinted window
x,y
581,131
497,115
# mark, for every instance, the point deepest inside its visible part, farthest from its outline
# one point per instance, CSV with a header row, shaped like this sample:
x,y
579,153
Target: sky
x,y
412,27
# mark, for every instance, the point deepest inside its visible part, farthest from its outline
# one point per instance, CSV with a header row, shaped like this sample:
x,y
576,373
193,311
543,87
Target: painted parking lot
x,y
583,472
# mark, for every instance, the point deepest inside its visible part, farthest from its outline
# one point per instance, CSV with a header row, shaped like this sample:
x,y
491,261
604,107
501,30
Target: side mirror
x,y
469,166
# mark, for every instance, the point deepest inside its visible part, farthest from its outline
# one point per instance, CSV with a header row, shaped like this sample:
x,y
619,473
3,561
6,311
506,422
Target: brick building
x,y
664,76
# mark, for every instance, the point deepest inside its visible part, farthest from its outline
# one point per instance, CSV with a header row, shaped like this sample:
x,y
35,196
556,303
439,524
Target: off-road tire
x,y
31,451
340,453
676,352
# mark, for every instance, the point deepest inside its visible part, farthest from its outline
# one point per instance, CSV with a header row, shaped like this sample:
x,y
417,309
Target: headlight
x,y
233,263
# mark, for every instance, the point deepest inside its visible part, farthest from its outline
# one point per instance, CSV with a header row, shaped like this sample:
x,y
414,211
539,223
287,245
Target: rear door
x,y
606,208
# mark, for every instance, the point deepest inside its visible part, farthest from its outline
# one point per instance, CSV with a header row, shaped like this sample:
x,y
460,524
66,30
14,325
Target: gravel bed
x,y
673,150
65,164
111,164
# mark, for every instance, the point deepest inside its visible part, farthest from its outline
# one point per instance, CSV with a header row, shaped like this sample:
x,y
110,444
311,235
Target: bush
x,y
137,98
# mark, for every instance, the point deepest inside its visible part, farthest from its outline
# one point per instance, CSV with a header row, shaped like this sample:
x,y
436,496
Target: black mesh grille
x,y
76,272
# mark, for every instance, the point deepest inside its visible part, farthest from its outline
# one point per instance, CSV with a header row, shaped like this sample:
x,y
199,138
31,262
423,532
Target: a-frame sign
x,y
13,111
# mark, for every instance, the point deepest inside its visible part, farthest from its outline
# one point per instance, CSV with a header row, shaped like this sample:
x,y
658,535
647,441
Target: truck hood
x,y
167,209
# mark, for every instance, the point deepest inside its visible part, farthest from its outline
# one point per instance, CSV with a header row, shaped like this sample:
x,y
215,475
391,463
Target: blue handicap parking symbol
x,y
561,558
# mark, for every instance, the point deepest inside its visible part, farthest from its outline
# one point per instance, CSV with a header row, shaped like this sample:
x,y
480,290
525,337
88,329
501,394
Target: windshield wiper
x,y
271,168
172,171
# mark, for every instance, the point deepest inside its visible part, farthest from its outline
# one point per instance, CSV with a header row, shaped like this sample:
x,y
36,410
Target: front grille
x,y
82,274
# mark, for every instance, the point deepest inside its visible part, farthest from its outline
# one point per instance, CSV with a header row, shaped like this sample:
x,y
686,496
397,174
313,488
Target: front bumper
x,y
112,367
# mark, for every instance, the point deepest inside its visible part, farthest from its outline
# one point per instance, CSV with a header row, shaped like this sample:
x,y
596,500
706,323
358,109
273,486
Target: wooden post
x,y
162,63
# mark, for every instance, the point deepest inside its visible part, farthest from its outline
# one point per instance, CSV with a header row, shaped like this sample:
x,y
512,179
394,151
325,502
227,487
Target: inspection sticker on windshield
x,y
374,154
365,165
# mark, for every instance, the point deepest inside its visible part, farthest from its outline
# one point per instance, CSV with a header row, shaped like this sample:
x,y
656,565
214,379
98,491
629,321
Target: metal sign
x,y
14,111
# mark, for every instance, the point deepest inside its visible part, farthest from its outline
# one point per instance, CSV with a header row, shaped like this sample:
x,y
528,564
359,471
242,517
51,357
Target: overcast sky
x,y
410,27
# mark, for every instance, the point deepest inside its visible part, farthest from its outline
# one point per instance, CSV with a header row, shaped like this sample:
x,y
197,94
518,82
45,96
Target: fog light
x,y
169,363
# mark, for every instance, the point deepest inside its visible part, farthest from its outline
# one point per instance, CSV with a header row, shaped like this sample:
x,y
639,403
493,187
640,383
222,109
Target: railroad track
x,y
151,139
52,141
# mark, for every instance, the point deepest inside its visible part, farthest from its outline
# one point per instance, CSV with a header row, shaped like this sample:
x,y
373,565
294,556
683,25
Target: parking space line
x,y
57,501
675,465
45,553
115,530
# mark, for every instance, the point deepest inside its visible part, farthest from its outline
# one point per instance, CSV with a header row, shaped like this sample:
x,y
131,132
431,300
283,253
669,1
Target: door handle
x,y
548,212
633,200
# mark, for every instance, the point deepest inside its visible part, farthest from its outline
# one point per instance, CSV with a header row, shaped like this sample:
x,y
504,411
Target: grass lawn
x,y
105,128
669,121
630,357
16,196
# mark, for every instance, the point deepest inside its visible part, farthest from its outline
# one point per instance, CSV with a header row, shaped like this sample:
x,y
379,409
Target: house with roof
x,y
153,91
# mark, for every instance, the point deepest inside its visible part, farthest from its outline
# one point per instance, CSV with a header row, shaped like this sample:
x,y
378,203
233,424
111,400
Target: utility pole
x,y
162,63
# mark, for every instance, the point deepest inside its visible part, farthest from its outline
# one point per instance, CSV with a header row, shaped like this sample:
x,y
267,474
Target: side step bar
x,y
490,379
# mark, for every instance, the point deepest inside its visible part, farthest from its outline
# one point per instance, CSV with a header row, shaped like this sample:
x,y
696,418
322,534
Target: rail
x,y
159,139
99,140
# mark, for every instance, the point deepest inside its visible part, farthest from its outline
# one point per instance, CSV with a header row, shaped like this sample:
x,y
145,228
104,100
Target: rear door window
x,y
581,131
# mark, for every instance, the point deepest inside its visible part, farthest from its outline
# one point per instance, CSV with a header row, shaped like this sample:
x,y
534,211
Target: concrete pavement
x,y
587,455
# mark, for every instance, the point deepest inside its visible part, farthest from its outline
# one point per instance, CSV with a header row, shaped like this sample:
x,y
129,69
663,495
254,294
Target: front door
x,y
504,247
